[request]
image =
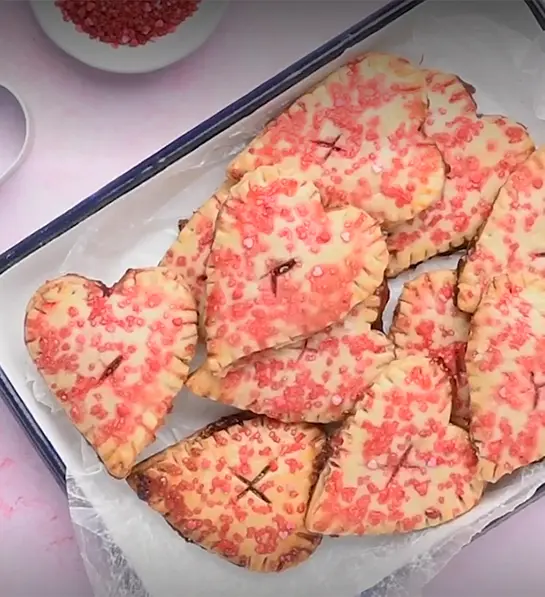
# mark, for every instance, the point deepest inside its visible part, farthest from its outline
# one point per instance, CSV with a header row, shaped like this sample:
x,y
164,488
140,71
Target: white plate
x,y
155,55
16,131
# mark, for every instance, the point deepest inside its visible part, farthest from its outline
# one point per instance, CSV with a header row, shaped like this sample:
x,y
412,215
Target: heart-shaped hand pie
x,y
116,357
357,137
427,322
189,252
315,380
282,268
480,152
239,488
397,463
506,371
512,240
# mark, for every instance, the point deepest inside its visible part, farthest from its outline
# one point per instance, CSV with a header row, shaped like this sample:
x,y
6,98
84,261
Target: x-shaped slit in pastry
x,y
537,388
111,368
537,254
433,514
400,464
280,270
306,350
251,485
331,145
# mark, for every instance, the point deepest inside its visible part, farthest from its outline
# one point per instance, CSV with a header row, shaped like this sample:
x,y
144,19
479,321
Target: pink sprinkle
x,y
6,510
248,243
337,400
6,463
317,271
345,236
60,541
372,464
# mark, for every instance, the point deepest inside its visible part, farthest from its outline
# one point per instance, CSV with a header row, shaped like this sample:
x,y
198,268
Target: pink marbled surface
x,y
89,128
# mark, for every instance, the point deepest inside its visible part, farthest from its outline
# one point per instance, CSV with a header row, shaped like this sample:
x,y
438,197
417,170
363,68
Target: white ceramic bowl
x,y
157,54
13,107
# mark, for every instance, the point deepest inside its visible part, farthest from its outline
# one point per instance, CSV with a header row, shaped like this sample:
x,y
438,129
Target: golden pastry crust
x,y
116,357
357,137
397,464
189,252
239,488
512,239
427,322
480,152
316,380
505,364
282,268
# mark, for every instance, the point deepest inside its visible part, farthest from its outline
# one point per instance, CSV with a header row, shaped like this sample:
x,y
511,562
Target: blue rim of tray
x,y
174,151
538,10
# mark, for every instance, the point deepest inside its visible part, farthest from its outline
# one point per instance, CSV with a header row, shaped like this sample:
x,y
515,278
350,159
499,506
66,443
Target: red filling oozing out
x,y
126,22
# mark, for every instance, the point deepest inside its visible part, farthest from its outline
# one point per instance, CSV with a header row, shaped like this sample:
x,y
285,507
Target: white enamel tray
x,y
130,223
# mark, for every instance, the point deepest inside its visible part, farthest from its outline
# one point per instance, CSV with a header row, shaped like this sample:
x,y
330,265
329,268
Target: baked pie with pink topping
x,y
357,136
513,239
282,267
506,371
239,488
116,357
428,322
315,380
397,464
480,152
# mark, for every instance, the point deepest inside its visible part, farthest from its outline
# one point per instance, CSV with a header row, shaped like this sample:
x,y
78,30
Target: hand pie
x,y
427,322
282,268
315,380
512,240
480,152
358,137
506,371
239,488
397,464
116,357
